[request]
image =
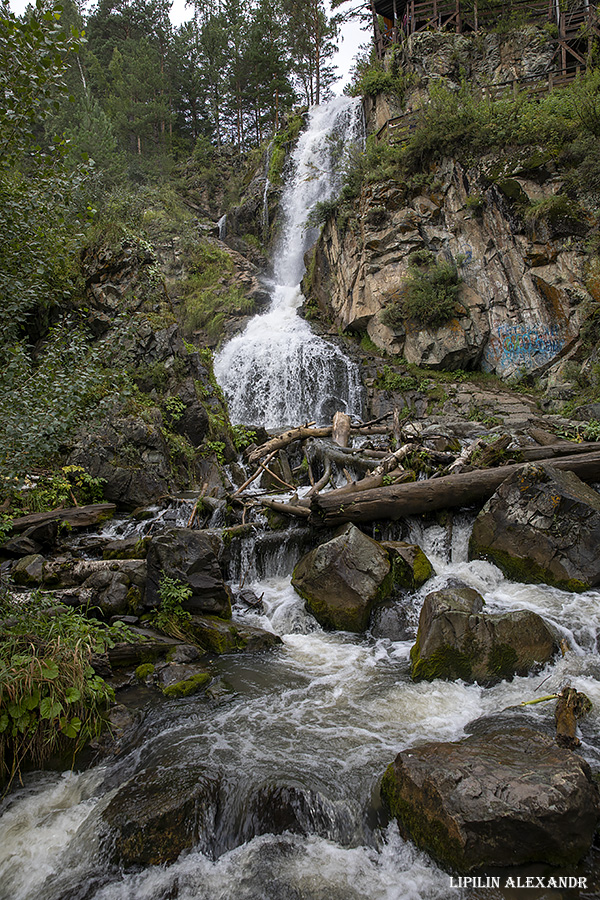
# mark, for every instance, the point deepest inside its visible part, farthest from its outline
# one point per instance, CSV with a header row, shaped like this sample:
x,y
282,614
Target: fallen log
x,y
396,501
288,509
282,440
76,516
562,448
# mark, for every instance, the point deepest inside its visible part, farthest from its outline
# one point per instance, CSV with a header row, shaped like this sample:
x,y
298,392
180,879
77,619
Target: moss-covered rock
x,y
411,568
457,639
542,525
188,686
230,636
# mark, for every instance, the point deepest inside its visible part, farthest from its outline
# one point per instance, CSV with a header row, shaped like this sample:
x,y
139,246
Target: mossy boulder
x,y
542,526
509,796
342,579
29,570
187,686
457,639
230,636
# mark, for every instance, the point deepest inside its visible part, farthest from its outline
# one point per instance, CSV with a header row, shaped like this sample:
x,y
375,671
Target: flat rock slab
x,y
509,796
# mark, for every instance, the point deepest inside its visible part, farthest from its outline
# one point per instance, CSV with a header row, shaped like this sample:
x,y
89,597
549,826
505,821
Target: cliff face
x,y
522,281
521,288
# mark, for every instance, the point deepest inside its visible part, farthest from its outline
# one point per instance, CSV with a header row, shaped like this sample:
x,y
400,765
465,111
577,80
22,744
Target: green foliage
x,y
42,400
242,437
553,209
69,486
174,409
429,293
370,77
216,448
172,618
51,700
397,381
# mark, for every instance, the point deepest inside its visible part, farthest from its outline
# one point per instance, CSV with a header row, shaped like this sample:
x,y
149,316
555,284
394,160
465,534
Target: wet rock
x,y
160,812
129,548
29,570
275,809
542,525
506,797
457,639
188,556
391,620
182,680
230,636
411,567
342,579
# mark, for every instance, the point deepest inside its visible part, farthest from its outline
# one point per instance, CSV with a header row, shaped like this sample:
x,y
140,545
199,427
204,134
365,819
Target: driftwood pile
x,y
386,488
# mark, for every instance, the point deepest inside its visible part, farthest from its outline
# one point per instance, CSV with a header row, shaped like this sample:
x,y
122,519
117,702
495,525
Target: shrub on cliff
x,y
428,294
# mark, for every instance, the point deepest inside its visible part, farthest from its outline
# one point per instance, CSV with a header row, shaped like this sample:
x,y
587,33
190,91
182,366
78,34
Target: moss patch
x,y
142,672
525,570
188,686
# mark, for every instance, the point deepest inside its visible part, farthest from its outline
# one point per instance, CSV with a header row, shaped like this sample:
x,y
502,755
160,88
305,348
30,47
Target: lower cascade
x,y
268,788
278,372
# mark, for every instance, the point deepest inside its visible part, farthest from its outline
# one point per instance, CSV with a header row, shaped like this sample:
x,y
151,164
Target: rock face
x,y
522,284
456,639
342,579
542,525
504,798
188,556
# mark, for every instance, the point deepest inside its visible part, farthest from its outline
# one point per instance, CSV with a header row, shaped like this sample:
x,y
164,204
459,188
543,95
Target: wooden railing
x,y
475,15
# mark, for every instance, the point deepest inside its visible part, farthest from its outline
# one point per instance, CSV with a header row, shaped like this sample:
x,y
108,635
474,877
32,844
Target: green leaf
x,y
50,709
72,695
3,722
49,670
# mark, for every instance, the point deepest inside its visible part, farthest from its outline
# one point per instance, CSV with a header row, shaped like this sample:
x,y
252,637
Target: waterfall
x,y
278,372
222,226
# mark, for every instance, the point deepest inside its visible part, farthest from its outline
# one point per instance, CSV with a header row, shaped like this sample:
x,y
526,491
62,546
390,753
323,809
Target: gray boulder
x,y
342,579
456,639
542,525
189,557
509,796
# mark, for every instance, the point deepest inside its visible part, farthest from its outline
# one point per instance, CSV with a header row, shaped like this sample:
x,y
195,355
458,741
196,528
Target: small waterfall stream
x,y
278,372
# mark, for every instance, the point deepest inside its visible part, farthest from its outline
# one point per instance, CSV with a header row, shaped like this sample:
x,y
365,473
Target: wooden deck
x,y
575,27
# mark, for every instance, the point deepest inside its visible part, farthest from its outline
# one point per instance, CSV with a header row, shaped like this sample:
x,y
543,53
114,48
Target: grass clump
x,y
171,617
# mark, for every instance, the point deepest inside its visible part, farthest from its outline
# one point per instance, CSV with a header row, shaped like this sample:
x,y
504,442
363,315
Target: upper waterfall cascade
x,y
277,371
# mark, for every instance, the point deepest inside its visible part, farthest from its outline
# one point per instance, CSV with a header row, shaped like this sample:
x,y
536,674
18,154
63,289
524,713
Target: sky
x,y
349,40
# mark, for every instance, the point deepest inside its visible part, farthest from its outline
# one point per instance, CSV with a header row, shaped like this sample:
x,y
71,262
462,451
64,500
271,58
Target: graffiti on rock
x,y
523,346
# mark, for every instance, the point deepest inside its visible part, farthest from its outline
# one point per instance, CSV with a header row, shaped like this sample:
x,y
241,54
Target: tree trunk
x,y
341,429
396,501
77,517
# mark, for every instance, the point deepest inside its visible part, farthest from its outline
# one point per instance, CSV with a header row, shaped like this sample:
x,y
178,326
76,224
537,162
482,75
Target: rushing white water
x,y
325,715
278,372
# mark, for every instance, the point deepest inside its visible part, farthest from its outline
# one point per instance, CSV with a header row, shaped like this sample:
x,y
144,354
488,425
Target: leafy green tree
x,y
311,36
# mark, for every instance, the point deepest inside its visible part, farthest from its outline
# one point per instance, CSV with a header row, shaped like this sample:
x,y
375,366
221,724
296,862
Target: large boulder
x,y
542,525
189,557
342,579
231,636
509,796
456,639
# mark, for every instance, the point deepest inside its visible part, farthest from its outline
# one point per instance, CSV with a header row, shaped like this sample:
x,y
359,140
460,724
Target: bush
x,y
171,617
51,700
428,294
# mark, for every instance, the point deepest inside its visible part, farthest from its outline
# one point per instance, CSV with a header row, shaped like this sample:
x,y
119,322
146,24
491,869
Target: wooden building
x,y
576,22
